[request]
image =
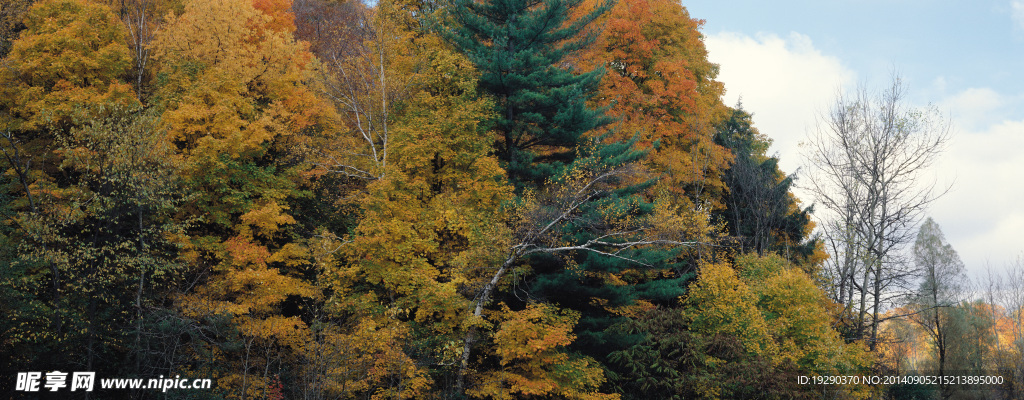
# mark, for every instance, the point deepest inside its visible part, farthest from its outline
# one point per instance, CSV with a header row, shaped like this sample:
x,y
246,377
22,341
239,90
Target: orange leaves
x,y
279,11
244,252
532,332
267,218
286,331
231,89
233,77
662,86
366,362
256,290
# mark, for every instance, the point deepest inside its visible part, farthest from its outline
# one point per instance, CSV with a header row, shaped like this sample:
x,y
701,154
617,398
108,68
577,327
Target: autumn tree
x,y
1004,292
941,288
358,71
661,86
235,105
11,23
745,330
424,181
94,191
53,83
65,68
530,349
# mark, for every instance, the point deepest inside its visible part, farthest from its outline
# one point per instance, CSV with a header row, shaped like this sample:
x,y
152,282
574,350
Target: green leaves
x,y
519,47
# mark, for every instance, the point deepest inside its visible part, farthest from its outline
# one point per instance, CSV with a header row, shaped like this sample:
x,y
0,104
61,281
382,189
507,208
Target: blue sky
x,y
788,59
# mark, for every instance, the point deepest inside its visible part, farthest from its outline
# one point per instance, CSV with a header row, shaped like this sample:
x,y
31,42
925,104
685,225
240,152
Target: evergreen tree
x,y
760,209
520,48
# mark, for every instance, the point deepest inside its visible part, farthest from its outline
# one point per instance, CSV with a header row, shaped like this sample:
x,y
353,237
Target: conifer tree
x,y
760,209
520,48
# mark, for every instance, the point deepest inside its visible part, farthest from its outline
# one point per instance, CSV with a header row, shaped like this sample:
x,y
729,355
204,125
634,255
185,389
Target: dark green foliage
x,y
912,392
11,24
760,211
520,48
82,278
672,362
582,280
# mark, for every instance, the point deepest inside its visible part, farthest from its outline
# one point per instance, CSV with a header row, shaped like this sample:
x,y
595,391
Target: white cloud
x,y
782,81
1017,13
785,81
973,108
983,215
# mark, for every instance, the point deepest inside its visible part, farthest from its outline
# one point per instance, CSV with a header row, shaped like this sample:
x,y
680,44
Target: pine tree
x,y
520,48
760,208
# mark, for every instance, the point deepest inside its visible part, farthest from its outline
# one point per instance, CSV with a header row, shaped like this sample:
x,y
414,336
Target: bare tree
x,y
867,155
1005,295
141,26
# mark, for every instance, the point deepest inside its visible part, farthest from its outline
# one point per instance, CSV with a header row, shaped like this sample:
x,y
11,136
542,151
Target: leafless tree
x,y
1005,294
868,155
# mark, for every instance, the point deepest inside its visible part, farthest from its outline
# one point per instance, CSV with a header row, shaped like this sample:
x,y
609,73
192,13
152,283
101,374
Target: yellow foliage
x,y
365,361
66,67
267,218
719,302
530,345
777,312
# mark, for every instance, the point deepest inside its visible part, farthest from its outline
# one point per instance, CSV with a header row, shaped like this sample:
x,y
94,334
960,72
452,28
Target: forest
x,y
460,199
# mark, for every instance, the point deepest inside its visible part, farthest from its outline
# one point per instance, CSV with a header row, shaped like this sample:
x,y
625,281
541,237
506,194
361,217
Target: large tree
x,y
663,89
91,191
868,156
520,48
235,106
760,210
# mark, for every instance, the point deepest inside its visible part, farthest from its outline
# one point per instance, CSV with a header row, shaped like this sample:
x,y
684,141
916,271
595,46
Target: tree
x,y
520,48
759,206
941,288
1005,295
868,155
363,58
744,330
92,188
10,22
586,227
67,65
530,348
662,88
235,106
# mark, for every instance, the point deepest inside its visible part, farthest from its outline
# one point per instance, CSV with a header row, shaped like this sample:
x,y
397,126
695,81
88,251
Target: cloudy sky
x,y
787,59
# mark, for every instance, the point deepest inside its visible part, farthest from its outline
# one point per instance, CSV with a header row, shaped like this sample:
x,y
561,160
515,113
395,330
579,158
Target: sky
x,y
788,59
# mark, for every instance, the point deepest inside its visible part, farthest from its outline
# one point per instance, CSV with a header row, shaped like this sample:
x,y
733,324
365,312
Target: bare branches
x,y
570,200
868,153
137,17
21,167
355,47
